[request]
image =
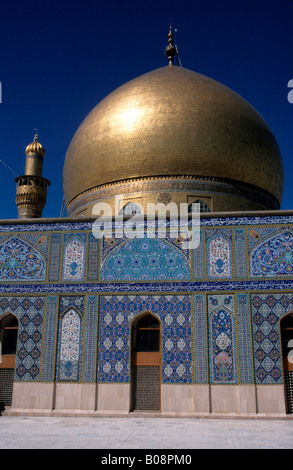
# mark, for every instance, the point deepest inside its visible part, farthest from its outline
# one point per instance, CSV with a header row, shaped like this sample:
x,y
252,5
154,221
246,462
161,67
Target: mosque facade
x,y
130,315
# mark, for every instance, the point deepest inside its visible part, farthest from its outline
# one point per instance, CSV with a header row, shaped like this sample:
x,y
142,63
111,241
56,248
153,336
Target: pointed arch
x,y
204,207
222,346
131,208
219,257
69,346
74,254
8,342
8,333
146,362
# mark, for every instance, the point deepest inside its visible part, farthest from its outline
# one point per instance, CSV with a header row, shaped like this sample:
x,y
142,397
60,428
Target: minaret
x,y
31,190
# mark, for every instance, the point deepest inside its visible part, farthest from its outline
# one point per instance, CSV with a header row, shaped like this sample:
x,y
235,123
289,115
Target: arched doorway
x,y
287,350
146,363
8,340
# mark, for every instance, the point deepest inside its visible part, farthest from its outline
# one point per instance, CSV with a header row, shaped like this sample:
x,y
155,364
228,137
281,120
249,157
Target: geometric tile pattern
x,y
145,259
49,340
200,326
89,369
199,259
240,253
93,258
244,338
200,340
30,313
267,310
55,257
116,316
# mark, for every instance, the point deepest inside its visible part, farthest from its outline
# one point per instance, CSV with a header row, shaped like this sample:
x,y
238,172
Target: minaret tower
x,y
31,190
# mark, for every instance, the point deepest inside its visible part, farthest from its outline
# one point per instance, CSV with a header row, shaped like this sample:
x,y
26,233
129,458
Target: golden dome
x,y
173,122
35,147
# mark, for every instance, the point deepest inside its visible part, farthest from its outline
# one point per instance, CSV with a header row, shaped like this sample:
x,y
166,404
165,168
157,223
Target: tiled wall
x,y
219,305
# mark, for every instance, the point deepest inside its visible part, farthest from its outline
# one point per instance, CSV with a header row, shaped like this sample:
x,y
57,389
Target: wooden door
x,y
146,364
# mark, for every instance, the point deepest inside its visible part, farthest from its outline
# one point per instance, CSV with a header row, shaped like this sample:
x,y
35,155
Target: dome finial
x,y
36,138
170,50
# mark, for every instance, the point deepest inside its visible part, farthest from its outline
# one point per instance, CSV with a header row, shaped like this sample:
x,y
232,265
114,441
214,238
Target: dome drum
x,y
223,195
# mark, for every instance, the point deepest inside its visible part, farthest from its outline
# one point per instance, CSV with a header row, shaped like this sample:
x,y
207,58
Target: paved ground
x,y
19,432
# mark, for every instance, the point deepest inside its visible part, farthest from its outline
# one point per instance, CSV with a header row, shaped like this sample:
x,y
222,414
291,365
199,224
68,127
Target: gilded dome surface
x,y
169,122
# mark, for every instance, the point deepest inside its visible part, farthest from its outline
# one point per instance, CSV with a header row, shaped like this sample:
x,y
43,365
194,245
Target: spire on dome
x,y
170,50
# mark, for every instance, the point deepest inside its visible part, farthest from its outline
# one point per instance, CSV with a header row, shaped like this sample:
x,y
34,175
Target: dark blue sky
x,y
59,59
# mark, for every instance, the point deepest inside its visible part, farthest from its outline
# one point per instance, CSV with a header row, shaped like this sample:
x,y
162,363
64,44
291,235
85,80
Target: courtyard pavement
x,y
29,432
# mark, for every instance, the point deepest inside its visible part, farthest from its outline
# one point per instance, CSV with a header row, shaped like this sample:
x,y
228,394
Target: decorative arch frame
x,y
69,358
2,319
146,374
219,258
74,260
222,346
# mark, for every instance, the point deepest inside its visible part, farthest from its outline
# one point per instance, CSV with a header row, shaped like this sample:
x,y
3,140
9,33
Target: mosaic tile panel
x,y
93,259
70,334
49,340
40,240
116,316
267,310
20,261
74,255
90,340
219,257
30,313
240,253
244,336
274,256
55,257
222,339
145,259
200,340
199,259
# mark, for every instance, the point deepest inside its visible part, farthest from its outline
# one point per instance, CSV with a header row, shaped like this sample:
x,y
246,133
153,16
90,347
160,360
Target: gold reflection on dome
x,y
127,119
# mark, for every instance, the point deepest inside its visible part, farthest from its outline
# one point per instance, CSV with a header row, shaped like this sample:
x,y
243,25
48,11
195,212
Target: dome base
x,y
218,194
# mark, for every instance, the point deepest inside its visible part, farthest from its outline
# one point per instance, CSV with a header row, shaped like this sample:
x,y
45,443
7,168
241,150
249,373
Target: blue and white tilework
x,y
219,254
145,259
116,316
74,256
267,310
69,354
222,339
273,256
200,338
21,261
30,313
